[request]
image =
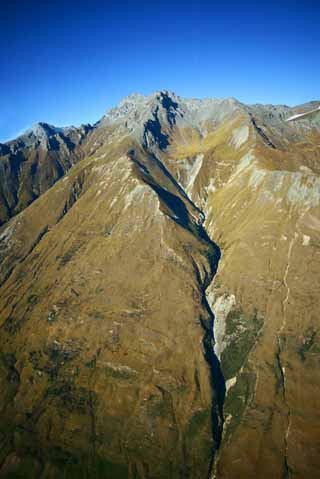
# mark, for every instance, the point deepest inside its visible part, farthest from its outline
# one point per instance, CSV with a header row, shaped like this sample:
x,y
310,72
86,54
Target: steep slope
x,y
258,184
120,356
33,162
105,330
266,304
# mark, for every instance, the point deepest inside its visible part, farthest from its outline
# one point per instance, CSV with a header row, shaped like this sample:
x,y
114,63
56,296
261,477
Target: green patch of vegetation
x,y
234,319
160,406
59,353
242,332
237,400
12,325
234,356
53,358
61,457
35,358
107,469
96,315
82,466
198,436
91,364
307,344
107,232
62,464
183,388
72,398
200,420
7,359
5,442
26,468
33,299
8,370
67,257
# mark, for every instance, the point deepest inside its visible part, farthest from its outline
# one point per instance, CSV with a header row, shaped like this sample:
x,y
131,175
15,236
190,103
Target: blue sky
x,y
66,62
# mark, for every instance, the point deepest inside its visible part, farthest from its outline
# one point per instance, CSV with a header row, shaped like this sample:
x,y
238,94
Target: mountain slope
x,y
121,356
33,162
144,376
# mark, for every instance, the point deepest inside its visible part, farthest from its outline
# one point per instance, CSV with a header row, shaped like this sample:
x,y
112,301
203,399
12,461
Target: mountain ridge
x,y
140,98
159,300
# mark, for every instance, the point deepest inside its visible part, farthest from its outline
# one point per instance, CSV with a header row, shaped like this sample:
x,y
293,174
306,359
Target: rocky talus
x,y
159,297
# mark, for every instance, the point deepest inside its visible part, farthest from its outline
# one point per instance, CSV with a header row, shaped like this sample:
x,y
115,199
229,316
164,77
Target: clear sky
x,y
66,62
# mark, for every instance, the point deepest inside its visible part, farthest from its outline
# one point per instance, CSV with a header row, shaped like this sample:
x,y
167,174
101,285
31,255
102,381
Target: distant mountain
x,y
34,161
159,294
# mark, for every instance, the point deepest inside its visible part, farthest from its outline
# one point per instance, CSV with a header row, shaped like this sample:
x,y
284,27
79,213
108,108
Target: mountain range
x,y
159,294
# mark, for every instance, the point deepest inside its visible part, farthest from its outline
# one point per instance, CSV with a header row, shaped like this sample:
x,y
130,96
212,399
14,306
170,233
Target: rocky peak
x,y
127,107
41,130
49,137
150,118
38,135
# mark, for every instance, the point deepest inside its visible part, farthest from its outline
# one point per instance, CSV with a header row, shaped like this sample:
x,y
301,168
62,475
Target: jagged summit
x,y
38,133
42,130
46,135
134,97
150,118
137,102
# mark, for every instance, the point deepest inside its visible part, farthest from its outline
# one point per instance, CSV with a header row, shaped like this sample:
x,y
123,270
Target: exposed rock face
x,y
120,355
